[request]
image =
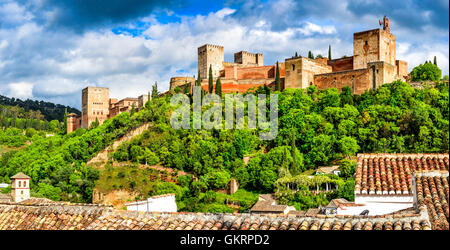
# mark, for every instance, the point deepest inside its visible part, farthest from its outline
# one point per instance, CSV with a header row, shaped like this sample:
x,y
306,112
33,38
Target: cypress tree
x,y
435,62
218,87
199,81
329,52
65,122
296,54
294,169
210,80
277,79
132,109
155,90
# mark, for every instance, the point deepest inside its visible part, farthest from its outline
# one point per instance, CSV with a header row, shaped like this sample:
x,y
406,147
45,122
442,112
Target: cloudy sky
x,y
51,49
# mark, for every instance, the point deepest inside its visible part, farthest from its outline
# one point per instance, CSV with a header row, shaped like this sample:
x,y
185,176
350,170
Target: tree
x,y
277,79
310,55
210,80
155,93
65,122
294,167
296,54
435,62
133,109
218,87
426,72
199,81
348,146
329,52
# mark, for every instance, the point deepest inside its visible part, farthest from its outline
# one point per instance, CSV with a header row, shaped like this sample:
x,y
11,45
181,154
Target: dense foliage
x,y
49,110
315,128
426,72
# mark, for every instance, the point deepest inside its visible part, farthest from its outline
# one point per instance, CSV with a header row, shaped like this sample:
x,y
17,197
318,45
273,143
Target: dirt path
x,y
101,158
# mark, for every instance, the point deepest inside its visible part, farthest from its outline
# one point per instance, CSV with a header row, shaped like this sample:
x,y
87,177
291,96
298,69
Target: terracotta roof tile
x,y
391,174
432,193
79,216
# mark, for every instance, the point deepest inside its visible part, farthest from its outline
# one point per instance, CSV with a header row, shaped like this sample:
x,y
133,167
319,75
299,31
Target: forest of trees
x,y
48,110
315,128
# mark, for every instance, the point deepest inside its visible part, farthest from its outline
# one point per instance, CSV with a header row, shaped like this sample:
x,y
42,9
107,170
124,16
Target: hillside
x,y
49,110
316,128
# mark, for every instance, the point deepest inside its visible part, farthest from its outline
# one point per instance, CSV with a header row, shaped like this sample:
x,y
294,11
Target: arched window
x,y
20,183
293,67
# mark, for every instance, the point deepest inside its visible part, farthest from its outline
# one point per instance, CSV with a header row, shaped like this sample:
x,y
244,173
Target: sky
x,y
51,49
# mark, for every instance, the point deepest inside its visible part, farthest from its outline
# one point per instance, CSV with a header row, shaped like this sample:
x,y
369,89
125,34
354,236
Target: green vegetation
x,y
210,80
277,79
426,72
49,111
316,128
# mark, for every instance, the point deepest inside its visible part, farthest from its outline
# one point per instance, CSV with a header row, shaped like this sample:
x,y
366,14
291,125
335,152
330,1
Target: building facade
x,y
20,187
159,203
96,105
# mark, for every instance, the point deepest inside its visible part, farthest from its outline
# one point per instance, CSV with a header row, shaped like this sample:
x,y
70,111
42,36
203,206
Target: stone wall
x,y
358,80
300,71
210,55
95,105
247,58
366,48
341,64
180,81
401,69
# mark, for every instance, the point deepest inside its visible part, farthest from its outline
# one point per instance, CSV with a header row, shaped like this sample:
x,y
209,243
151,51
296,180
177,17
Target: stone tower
x,y
94,105
20,187
373,46
249,59
210,55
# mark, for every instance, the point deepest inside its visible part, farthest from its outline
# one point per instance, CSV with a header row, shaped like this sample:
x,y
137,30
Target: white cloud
x,y
20,89
311,28
60,64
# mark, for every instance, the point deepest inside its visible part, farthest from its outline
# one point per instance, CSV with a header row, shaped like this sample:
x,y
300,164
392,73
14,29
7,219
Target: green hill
x,y
50,111
315,129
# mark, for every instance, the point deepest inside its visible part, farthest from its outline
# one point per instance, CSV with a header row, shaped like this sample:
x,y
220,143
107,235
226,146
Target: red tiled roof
x,y
433,193
383,174
92,217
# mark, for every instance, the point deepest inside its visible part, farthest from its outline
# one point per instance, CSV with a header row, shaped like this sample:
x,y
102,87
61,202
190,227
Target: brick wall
x,y
358,80
341,64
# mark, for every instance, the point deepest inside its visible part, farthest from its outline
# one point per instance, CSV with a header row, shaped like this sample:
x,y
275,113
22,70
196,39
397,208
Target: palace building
x,y
373,63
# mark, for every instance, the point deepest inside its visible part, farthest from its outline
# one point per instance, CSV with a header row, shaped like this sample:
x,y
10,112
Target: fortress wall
x,y
210,55
401,69
358,80
341,64
300,71
366,48
180,81
95,105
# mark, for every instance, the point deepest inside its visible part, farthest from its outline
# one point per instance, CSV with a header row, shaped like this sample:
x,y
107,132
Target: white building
x,y
20,187
159,203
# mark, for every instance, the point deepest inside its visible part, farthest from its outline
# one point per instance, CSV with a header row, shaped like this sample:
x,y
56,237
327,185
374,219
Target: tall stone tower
x,y
373,46
94,105
210,55
20,187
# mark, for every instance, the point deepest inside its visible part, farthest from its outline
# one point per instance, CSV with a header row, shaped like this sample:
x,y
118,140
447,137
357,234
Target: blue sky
x,y
51,49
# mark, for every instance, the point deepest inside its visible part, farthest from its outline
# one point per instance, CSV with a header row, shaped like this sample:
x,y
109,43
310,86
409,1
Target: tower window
x,y
365,43
293,66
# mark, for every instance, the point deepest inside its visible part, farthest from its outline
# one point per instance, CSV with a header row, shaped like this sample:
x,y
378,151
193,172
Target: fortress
x,y
373,63
96,105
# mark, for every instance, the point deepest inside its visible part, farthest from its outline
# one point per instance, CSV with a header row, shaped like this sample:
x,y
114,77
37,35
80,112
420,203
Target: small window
x,y
21,192
20,184
365,43
293,67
